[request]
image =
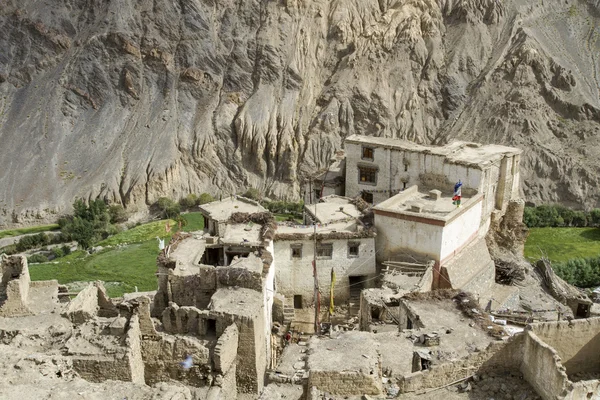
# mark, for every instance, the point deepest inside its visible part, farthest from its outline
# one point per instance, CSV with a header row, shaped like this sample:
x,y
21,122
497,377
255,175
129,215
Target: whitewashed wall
x,y
295,276
398,235
392,172
458,232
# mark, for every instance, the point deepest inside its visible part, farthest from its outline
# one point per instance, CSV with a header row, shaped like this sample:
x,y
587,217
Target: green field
x,y
130,262
562,244
26,230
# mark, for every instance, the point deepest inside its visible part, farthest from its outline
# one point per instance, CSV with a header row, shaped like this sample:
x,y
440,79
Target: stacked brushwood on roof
x,y
360,234
265,219
508,273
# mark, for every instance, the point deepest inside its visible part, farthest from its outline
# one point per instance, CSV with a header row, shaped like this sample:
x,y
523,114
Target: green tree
x,y
189,201
253,194
117,214
205,198
169,208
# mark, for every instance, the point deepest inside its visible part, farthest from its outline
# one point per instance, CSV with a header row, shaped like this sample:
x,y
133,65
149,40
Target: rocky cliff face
x,y
134,100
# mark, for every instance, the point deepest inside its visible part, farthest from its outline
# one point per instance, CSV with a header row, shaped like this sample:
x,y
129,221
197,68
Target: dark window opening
x,y
325,250
357,282
405,167
403,185
409,324
297,301
296,250
353,249
212,256
367,175
425,364
375,312
368,197
317,194
367,153
211,327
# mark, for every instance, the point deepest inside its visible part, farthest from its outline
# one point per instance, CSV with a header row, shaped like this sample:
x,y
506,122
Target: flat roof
x,y
237,301
350,226
333,208
457,152
221,210
413,202
242,234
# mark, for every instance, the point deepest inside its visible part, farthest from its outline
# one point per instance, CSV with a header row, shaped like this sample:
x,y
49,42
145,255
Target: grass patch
x,y
562,244
286,217
130,265
26,230
139,233
133,265
195,222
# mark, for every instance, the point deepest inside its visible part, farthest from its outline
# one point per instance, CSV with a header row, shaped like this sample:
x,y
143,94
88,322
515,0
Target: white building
x,y
378,168
343,244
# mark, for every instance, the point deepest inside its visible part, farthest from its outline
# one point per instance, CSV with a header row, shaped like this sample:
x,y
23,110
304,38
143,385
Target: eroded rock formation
x,y
132,101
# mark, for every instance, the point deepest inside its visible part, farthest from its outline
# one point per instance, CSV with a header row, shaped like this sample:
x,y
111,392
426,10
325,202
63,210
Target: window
x,y
325,251
296,250
353,249
367,153
367,175
297,301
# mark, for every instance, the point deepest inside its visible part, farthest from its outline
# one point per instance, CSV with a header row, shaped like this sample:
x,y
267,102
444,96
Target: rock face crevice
x,y
130,102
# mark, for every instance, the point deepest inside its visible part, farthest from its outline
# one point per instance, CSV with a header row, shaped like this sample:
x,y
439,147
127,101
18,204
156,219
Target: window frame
x,y
370,170
351,245
322,246
293,247
367,149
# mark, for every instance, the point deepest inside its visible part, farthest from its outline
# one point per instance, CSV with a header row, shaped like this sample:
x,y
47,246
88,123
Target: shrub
x,y
253,194
169,208
37,258
558,215
189,201
66,250
580,272
117,214
205,198
9,250
58,252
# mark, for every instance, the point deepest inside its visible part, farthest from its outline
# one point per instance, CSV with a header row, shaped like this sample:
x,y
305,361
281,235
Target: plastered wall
x,y
295,276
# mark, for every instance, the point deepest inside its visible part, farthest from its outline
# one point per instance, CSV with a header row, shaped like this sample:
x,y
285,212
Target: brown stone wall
x,y
574,342
134,350
14,286
225,352
541,367
503,356
345,382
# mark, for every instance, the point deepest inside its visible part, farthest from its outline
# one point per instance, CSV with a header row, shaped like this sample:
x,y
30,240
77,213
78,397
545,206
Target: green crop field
x,y
26,230
562,244
130,260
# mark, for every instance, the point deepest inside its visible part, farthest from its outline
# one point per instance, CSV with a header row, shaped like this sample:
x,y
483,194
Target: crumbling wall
x,y
192,290
574,341
225,352
134,350
162,357
14,286
252,354
345,383
240,277
84,306
498,356
541,367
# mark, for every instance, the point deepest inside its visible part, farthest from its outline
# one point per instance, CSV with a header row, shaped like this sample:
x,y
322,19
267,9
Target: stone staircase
x,y
354,301
289,313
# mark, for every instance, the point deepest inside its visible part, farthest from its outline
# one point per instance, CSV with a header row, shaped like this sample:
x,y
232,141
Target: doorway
x,y
297,301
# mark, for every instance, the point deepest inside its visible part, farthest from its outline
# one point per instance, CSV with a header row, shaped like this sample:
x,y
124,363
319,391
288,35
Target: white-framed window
x,y
325,251
353,248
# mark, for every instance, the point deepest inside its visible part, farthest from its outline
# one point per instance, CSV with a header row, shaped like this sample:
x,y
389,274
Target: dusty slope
x,y
134,100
